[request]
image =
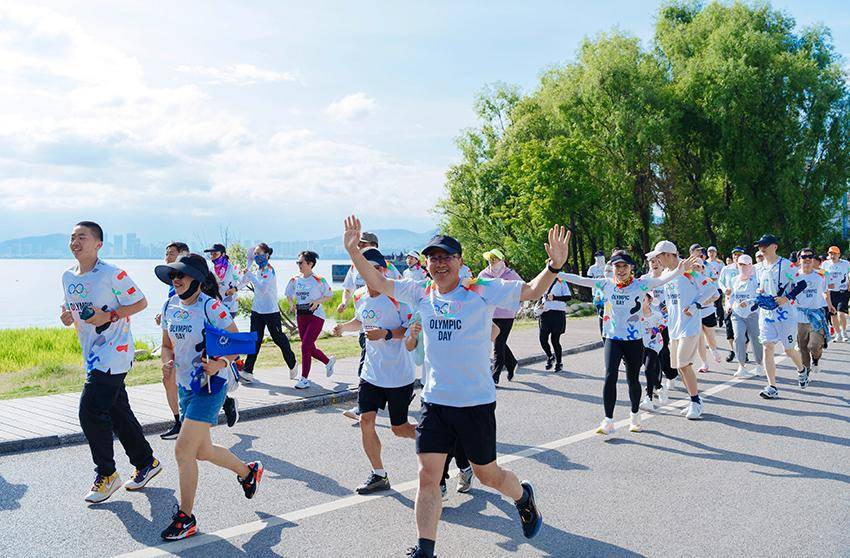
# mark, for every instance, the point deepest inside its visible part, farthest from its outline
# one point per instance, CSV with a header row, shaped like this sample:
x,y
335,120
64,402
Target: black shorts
x,y
840,300
474,428
710,321
371,398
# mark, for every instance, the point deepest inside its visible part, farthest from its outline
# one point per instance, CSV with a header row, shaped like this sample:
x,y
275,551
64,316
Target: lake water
x,y
36,291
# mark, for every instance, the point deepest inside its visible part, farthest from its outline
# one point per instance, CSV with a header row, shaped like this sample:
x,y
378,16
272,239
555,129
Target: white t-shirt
x,y
724,280
651,328
836,274
782,275
185,328
465,272
812,296
105,287
683,292
713,268
264,282
306,290
231,278
354,281
596,270
743,291
456,330
417,273
659,302
560,287
388,363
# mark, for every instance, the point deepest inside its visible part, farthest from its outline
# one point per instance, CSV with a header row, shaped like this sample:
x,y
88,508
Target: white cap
x,y
745,259
663,247
714,248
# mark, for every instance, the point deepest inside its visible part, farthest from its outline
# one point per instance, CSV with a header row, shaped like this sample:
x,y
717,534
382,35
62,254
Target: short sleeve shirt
x,y
681,293
777,279
109,347
836,274
264,282
812,296
387,364
230,278
306,290
184,326
560,287
456,329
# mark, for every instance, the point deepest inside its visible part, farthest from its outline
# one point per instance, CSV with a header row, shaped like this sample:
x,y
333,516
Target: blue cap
x,y
374,257
443,242
767,240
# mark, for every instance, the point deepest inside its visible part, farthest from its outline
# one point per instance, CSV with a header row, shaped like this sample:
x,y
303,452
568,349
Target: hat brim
x,y
443,247
162,271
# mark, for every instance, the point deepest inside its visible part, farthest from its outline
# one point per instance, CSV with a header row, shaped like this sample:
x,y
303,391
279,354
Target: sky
x,y
268,119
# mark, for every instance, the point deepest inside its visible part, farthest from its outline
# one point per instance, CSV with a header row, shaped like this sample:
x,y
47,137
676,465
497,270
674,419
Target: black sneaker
x,y
375,483
531,518
731,356
558,367
415,552
550,361
231,411
252,481
182,527
803,378
173,433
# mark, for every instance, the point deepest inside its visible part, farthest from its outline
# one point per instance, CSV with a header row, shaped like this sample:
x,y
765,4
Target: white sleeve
x,y
499,293
408,291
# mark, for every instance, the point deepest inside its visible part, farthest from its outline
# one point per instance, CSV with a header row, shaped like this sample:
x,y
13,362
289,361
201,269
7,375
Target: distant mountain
x,y
47,246
391,241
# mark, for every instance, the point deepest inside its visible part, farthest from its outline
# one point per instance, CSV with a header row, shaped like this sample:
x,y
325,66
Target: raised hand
x,y
351,236
558,246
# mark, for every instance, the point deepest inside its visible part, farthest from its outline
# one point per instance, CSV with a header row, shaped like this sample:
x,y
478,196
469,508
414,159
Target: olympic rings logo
x,y
449,308
371,315
180,314
80,289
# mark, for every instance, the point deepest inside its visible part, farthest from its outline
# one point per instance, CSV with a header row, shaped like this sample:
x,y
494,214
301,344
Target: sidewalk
x,y
39,422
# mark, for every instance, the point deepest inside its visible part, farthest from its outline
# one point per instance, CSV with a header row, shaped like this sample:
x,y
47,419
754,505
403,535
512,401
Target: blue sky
x,y
273,119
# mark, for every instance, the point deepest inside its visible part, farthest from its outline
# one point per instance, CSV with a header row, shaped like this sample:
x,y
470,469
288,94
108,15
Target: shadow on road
x,y
260,544
11,494
142,529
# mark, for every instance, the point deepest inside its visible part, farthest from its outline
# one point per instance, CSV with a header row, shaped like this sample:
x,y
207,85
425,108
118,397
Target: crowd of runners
x,y
456,327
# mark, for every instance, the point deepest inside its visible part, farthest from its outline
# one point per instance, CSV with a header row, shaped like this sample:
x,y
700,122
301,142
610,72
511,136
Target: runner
x,y
659,303
98,301
724,281
503,357
779,285
686,295
172,251
459,398
229,280
195,305
265,311
652,324
306,293
624,297
713,267
741,295
414,269
599,269
837,270
552,321
388,374
709,322
812,327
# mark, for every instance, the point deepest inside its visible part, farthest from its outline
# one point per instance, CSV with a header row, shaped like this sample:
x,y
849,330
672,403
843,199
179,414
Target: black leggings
x,y
631,352
460,460
552,324
652,369
664,358
258,323
502,355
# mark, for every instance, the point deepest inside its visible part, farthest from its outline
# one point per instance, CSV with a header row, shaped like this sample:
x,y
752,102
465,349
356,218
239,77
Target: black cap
x,y
374,256
693,247
217,248
622,257
766,240
193,265
443,242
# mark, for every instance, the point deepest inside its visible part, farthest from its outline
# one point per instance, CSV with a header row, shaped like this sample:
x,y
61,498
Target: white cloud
x,y
352,107
239,74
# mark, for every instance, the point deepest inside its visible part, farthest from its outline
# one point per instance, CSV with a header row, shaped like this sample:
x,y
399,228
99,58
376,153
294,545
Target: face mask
x,y
220,261
497,267
193,288
261,260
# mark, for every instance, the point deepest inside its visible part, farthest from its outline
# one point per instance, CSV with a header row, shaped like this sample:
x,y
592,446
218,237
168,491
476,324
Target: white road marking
x,y
173,548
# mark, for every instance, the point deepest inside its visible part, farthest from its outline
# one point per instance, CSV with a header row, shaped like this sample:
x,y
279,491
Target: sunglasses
x,y
301,262
441,259
806,256
172,275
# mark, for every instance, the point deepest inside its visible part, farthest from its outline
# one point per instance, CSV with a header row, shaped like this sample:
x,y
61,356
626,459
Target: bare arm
x,y
373,278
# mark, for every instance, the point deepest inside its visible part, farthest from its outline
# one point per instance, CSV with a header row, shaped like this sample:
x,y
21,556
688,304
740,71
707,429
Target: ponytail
x,y
209,286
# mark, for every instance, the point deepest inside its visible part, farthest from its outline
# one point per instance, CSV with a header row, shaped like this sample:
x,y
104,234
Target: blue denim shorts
x,y
202,408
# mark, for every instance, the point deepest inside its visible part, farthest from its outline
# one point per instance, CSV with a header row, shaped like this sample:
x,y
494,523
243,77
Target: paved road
x,y
753,478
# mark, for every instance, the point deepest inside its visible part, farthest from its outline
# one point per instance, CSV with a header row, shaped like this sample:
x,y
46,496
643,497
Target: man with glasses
x,y
459,398
172,252
812,327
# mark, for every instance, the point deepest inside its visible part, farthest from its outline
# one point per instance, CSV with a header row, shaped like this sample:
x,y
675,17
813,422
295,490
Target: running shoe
x,y
803,378
464,480
329,367
731,356
142,476
103,487
743,372
444,492
531,518
634,423
769,392
550,362
646,404
667,383
715,354
303,383
758,370
375,483
173,433
247,377
353,413
704,368
416,552
606,426
815,369
694,411
231,411
293,373
558,367
663,394
251,483
182,527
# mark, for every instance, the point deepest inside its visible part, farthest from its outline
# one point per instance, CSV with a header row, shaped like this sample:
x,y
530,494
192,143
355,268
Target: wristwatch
x,y
113,316
551,268
389,335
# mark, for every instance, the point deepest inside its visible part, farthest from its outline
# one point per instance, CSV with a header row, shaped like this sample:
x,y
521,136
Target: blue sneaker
x,y
141,477
531,518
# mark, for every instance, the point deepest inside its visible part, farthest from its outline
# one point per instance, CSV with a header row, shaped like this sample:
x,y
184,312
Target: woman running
x,y
264,309
623,296
552,321
743,290
652,324
503,357
307,292
184,317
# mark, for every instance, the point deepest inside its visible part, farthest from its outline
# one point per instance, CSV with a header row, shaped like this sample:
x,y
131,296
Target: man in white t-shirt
x,y
837,270
598,268
98,301
459,397
812,328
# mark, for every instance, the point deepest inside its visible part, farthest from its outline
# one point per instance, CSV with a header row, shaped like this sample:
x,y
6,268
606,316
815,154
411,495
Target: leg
x,y
170,384
129,431
314,329
752,333
371,442
709,337
497,478
803,335
306,345
192,435
280,339
543,331
460,457
739,326
510,359
560,324
815,345
633,356
664,357
703,353
652,371
429,503
499,347
361,339
96,400
613,355
258,325
770,362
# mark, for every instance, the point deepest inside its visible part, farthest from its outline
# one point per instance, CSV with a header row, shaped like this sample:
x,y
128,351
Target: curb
x,y
305,404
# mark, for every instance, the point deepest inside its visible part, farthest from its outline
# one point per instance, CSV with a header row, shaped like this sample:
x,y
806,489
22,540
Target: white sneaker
x,y
815,369
293,372
843,336
715,354
703,369
246,377
606,426
667,383
646,404
329,367
634,422
103,488
352,413
303,383
695,411
743,372
686,409
758,370
663,394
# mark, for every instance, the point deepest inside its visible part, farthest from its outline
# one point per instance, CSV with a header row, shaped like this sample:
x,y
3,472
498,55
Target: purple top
x,y
507,274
